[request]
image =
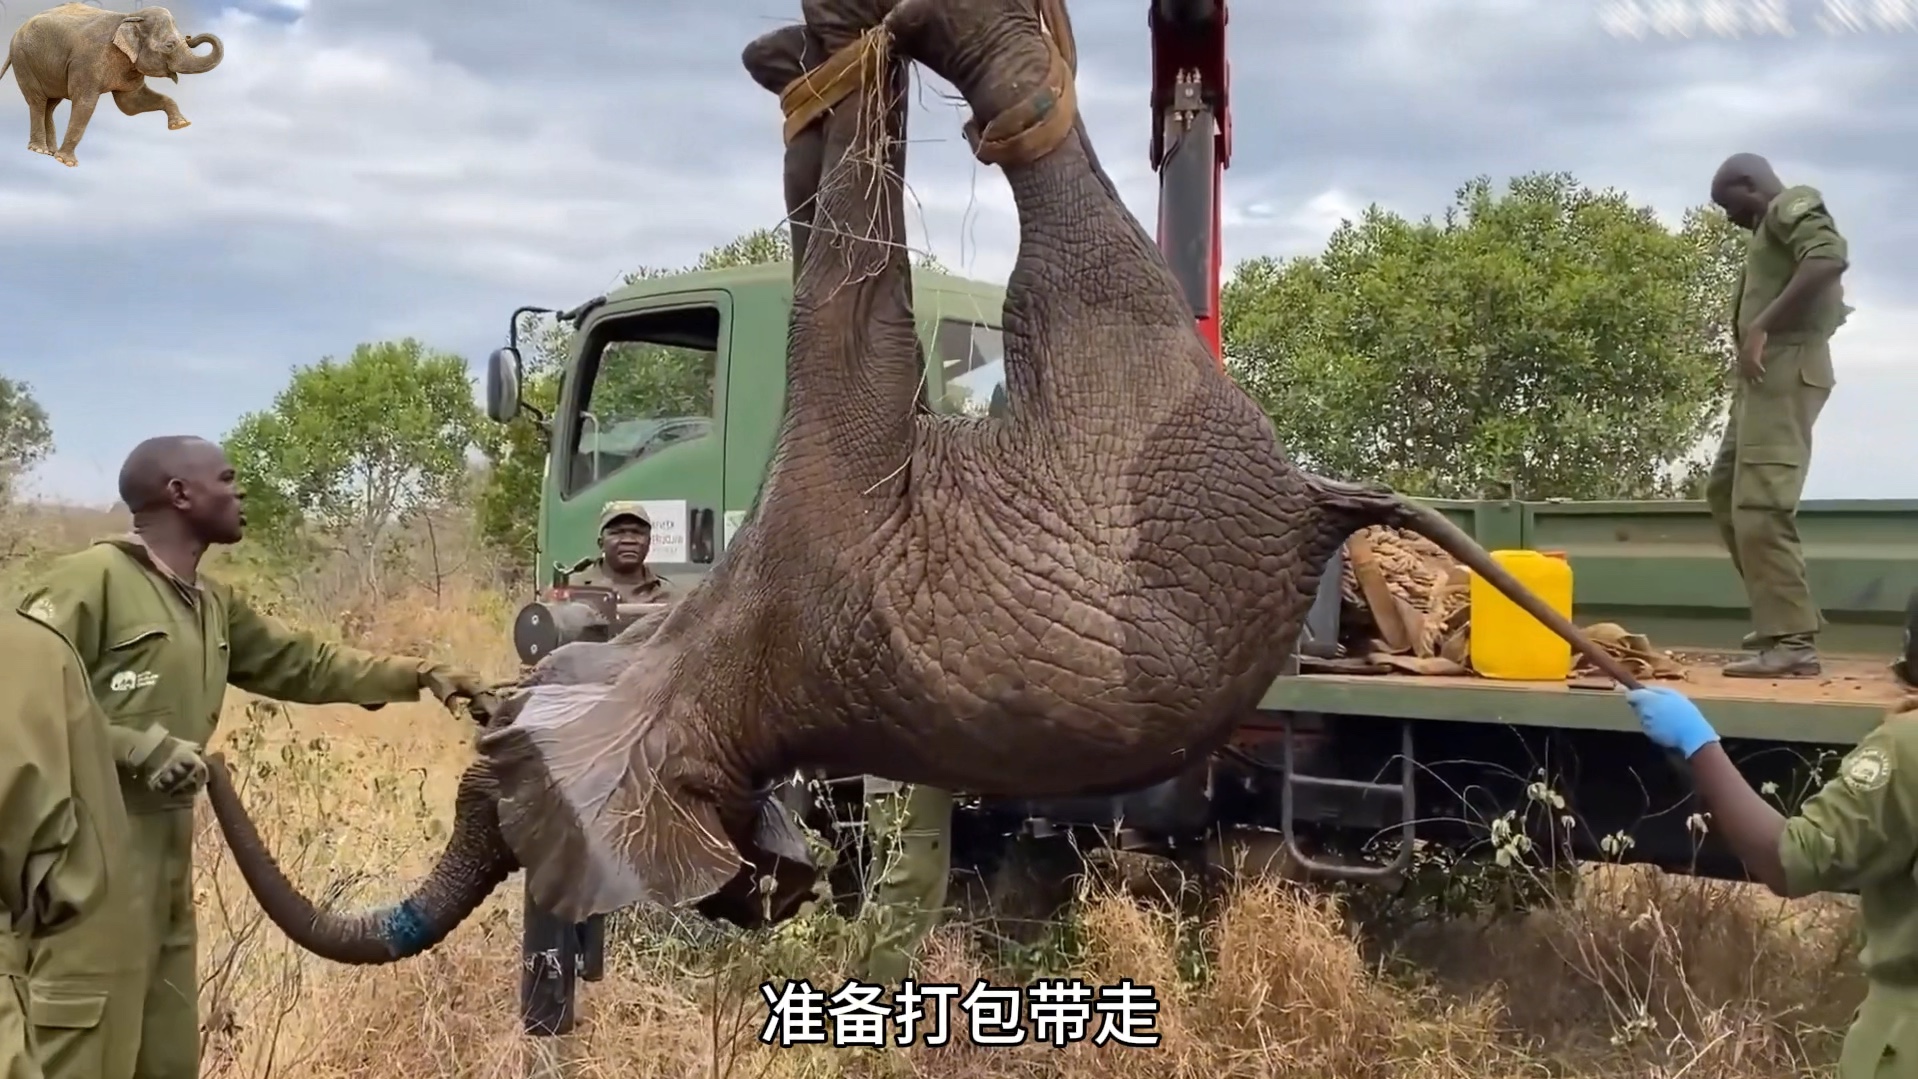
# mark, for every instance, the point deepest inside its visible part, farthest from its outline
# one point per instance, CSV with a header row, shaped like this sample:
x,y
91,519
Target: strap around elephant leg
x,y
1036,126
809,97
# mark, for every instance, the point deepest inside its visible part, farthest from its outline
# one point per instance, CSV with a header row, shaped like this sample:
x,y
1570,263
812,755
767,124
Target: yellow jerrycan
x,y
1510,645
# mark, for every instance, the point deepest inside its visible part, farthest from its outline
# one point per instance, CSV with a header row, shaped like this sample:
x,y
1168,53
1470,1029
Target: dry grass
x,y
1636,974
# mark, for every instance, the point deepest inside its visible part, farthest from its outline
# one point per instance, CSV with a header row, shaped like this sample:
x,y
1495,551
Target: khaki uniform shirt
x,y
1796,227
1860,833
62,826
649,587
161,651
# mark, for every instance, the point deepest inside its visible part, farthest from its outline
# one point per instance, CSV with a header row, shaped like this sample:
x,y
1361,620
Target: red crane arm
x,y
1191,147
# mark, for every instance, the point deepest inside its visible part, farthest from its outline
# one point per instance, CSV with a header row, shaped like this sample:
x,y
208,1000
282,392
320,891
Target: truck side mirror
x,y
502,384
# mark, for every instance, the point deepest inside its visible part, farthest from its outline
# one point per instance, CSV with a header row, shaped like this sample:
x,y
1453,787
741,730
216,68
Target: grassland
x,y
1633,974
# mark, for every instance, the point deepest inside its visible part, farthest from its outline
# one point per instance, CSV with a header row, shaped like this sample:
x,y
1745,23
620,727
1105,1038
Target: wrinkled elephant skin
x,y
76,52
1086,593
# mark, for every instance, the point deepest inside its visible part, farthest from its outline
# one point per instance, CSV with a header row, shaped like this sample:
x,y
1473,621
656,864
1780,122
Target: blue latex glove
x,y
1671,719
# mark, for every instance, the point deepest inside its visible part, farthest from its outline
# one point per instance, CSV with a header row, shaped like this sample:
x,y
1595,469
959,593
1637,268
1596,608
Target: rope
x,y
808,98
1019,136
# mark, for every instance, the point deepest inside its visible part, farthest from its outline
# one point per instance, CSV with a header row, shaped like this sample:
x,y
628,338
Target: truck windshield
x,y
650,385
972,356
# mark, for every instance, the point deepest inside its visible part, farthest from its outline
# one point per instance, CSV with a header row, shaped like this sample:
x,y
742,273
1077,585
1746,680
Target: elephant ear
x,y
593,803
128,35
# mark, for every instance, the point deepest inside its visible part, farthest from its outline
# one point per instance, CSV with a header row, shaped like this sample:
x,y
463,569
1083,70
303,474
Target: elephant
x,y
1081,596
76,52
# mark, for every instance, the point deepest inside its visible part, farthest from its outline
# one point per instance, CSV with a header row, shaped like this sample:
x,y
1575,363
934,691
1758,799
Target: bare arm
x,y
1750,826
1858,829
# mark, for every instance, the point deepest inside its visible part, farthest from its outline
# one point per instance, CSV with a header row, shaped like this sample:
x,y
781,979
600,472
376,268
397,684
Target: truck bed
x,y
1837,707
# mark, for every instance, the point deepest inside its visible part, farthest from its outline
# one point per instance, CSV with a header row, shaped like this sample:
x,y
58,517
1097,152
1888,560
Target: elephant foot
x,y
66,159
838,22
778,57
175,125
993,51
40,149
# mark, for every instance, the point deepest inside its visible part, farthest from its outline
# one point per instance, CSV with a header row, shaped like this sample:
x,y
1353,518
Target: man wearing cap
x,y
625,536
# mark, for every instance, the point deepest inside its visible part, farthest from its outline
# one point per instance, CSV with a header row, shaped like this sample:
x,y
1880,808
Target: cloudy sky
x,y
361,169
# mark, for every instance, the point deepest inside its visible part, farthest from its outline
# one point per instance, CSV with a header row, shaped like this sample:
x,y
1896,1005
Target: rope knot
x,y
862,63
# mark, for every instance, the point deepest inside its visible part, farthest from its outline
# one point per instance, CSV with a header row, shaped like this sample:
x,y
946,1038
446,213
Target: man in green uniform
x,y
1858,833
1788,304
63,834
161,643
906,875
625,538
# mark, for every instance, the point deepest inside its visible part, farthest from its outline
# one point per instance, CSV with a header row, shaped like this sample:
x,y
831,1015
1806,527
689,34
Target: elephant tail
x,y
1355,506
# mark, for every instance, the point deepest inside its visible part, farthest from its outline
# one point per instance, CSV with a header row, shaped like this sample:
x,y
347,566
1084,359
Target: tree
x,y
1552,341
26,438
350,450
648,379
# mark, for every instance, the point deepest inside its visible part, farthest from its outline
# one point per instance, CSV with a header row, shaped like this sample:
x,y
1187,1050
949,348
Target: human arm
x,y
1804,226
275,660
52,867
1741,816
1856,829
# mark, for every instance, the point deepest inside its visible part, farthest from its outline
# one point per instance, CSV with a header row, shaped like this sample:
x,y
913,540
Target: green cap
x,y
613,511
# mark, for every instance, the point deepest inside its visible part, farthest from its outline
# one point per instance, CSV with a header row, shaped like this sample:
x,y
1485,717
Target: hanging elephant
x,y
76,52
1081,596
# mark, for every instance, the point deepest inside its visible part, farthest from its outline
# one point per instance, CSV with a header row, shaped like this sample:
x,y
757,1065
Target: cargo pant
x,y
1883,1040
117,997
911,832
1759,474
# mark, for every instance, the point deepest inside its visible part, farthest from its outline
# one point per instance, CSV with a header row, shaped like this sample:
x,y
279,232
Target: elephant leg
x,y
76,128
39,121
147,99
775,60
854,368
46,125
1095,324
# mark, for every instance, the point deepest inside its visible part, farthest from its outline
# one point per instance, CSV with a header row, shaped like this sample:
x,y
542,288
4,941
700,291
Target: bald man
x,y
1788,304
161,642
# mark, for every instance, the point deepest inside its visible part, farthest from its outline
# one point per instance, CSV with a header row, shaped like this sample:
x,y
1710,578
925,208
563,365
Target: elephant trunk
x,y
476,861
192,63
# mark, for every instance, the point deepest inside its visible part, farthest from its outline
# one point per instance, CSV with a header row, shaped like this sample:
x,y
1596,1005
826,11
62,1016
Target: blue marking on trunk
x,y
405,929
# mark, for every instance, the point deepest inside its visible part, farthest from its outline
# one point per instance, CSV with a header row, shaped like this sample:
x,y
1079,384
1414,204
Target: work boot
x,y
1752,642
1790,656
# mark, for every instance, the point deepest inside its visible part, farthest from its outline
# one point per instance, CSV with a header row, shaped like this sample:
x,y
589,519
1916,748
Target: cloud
x,y
360,169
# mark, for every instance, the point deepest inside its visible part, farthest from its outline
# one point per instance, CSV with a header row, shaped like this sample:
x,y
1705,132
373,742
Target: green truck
x,y
673,392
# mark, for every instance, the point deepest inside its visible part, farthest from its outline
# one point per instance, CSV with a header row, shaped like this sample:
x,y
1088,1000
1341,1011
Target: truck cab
x,y
673,392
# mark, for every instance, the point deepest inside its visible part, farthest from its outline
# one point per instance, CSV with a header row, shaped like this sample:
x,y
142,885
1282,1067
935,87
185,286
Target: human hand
x,y
176,768
1751,355
446,683
159,760
1671,720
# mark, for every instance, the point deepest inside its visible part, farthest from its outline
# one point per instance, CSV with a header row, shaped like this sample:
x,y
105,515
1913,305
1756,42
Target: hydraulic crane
x,y
1191,148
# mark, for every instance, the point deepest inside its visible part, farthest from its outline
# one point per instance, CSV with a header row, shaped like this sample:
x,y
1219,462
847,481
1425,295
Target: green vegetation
x,y
1547,342
25,436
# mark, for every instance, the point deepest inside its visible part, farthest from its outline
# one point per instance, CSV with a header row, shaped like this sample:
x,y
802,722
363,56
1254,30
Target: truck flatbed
x,y
1837,707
